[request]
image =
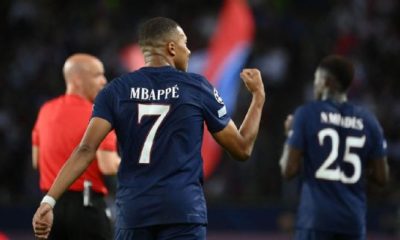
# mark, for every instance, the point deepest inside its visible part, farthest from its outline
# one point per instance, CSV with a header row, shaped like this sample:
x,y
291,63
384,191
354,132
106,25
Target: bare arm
x,y
81,157
76,164
240,143
290,161
35,156
291,158
379,171
108,161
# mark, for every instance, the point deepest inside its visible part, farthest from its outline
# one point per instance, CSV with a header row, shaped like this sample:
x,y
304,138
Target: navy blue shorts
x,y
309,234
163,232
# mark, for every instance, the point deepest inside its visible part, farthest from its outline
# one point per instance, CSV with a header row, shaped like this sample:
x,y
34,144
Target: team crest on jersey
x,y
217,97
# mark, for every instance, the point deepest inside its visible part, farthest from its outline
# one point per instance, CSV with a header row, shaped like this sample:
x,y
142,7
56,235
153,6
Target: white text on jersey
x,y
342,121
154,94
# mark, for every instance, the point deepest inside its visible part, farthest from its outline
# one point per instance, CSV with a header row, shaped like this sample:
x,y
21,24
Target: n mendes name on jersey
x,y
342,121
339,140
142,93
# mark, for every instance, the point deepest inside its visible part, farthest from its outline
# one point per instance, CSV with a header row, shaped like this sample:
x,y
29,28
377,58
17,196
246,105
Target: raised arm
x,y
240,142
76,164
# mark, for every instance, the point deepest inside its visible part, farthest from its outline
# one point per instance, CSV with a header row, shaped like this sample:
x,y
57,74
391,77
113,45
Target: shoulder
x,y
195,82
128,76
124,80
360,111
306,107
367,116
198,78
316,106
307,112
52,102
201,82
115,82
365,112
370,121
114,85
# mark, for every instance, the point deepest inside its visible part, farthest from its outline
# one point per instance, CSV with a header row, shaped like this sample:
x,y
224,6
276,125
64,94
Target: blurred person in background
x,y
60,125
158,113
336,146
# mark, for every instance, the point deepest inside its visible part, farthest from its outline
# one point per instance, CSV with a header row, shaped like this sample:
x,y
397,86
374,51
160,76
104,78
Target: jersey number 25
x,y
324,172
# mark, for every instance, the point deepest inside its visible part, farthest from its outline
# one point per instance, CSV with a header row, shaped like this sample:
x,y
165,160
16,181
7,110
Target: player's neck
x,y
334,96
157,60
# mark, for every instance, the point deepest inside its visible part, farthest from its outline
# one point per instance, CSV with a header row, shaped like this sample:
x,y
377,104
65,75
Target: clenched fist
x,y
253,81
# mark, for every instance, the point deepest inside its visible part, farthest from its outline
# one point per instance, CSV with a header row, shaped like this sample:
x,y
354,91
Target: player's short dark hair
x,y
341,68
155,29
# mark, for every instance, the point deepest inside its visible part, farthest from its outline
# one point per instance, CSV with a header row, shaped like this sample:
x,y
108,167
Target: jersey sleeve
x,y
35,136
35,131
296,136
378,141
214,109
109,143
102,107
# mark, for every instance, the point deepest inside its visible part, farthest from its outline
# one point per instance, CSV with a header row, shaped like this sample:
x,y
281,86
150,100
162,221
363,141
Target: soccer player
x,y
336,145
61,123
158,113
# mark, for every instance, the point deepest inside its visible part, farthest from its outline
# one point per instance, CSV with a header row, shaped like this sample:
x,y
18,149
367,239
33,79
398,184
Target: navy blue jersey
x,y
337,141
158,115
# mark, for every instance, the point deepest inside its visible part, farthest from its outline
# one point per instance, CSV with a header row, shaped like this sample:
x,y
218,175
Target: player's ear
x,y
171,48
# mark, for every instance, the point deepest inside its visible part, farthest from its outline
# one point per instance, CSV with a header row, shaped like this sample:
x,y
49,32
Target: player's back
x,y
339,140
158,115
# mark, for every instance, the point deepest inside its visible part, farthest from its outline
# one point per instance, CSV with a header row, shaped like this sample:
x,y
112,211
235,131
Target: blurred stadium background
x,y
246,200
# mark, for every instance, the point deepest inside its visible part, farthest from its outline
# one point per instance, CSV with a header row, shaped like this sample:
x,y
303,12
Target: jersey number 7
x,y
151,110
324,172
